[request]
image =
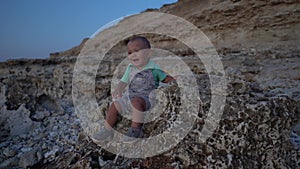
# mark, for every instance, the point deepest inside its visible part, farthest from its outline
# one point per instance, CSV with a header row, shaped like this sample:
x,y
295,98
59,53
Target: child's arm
x,y
119,89
169,79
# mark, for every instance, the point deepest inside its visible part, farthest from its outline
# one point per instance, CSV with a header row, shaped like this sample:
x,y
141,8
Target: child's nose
x,y
132,55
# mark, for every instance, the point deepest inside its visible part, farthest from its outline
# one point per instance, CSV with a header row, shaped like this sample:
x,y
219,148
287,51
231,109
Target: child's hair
x,y
141,38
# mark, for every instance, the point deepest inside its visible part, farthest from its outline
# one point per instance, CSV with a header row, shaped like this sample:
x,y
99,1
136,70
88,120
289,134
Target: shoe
x,y
133,133
103,134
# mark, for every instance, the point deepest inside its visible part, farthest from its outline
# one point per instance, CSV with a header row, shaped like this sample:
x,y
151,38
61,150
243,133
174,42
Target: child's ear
x,y
147,52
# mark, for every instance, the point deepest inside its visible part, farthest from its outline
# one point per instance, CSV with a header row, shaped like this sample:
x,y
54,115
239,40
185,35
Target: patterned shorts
x,y
126,106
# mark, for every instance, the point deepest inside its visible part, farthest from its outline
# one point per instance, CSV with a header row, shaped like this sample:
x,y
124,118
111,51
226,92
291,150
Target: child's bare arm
x,y
119,89
169,79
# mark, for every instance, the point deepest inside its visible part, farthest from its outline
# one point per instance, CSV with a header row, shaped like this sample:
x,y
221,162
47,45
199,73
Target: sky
x,y
36,28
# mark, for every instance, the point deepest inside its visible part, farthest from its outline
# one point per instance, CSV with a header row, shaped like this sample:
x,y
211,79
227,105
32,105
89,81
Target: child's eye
x,y
136,50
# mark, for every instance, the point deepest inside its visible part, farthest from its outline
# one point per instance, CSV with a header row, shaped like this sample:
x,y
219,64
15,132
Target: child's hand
x,y
117,93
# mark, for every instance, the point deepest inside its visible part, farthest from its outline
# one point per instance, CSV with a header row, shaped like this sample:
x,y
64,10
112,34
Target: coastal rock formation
x,y
238,24
232,25
74,51
257,44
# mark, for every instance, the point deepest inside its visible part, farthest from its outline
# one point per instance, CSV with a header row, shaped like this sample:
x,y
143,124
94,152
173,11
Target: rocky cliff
x,y
257,42
235,25
243,24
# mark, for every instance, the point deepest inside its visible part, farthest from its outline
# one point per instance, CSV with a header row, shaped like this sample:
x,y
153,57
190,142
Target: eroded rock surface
x,y
40,129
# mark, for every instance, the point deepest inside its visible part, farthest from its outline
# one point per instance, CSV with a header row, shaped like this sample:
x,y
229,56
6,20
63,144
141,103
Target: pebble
x,y
52,152
27,159
26,149
9,152
101,161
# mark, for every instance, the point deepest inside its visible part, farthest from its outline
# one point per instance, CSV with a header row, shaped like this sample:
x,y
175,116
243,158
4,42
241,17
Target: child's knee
x,y
117,107
138,103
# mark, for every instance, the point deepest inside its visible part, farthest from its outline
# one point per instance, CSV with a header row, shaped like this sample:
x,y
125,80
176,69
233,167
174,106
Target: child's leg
x,y
111,116
110,120
138,106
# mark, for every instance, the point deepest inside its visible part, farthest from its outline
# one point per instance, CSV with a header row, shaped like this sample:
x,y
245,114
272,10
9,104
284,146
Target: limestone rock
x,y
28,159
19,121
257,44
71,52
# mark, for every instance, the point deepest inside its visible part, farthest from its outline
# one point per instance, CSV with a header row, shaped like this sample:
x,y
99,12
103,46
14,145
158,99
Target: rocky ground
x,y
40,127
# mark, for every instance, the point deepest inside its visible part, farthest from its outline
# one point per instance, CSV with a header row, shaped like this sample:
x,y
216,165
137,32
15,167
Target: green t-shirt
x,y
158,74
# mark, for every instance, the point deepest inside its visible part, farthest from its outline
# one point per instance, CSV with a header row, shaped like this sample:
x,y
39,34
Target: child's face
x,y
138,54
